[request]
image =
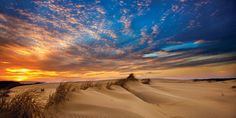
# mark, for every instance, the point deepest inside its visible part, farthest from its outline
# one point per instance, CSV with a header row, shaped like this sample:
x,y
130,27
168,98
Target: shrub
x,y
233,87
86,85
4,92
25,105
60,96
109,84
122,82
4,103
42,90
145,81
131,77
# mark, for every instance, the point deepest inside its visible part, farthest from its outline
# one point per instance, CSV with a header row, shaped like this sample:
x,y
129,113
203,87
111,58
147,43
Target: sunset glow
x,y
21,78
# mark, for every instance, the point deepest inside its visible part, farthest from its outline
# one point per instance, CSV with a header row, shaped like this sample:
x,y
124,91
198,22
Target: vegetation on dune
x,y
109,84
145,81
4,92
27,104
23,105
122,82
87,84
213,79
4,104
61,94
131,77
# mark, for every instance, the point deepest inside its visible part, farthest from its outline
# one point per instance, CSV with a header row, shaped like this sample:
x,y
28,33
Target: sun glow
x,y
22,74
25,71
21,78
20,70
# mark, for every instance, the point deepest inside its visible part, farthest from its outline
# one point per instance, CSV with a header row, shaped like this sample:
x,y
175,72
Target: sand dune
x,y
151,95
116,103
159,99
202,99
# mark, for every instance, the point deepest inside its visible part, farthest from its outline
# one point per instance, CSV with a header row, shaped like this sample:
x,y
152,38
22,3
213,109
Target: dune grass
x,y
122,82
109,84
4,104
4,92
4,99
87,84
23,105
26,105
61,94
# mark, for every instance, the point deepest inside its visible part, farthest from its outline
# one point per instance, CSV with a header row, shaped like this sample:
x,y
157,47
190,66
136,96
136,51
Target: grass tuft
x,y
122,82
4,103
60,96
145,81
85,85
23,105
109,84
4,92
131,77
233,87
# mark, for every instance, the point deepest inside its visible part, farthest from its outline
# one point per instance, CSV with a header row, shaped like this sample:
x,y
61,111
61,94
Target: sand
x,y
159,99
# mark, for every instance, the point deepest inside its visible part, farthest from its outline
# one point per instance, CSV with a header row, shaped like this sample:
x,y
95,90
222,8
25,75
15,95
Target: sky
x,y
70,40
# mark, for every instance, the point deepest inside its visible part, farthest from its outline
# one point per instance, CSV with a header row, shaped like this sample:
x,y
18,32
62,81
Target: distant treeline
x,y
11,84
214,79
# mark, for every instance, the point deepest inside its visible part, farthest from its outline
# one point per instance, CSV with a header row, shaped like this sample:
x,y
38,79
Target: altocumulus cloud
x,y
91,39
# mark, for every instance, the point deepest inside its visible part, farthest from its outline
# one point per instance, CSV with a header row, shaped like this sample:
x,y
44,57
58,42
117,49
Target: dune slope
x,y
159,99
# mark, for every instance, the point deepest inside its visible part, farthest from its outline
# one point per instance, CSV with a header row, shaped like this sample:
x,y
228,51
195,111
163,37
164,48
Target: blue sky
x,y
83,36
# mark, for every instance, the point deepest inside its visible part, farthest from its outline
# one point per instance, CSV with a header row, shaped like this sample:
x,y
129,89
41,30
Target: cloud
x,y
155,30
146,36
200,41
126,21
85,39
143,6
188,45
100,10
161,54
